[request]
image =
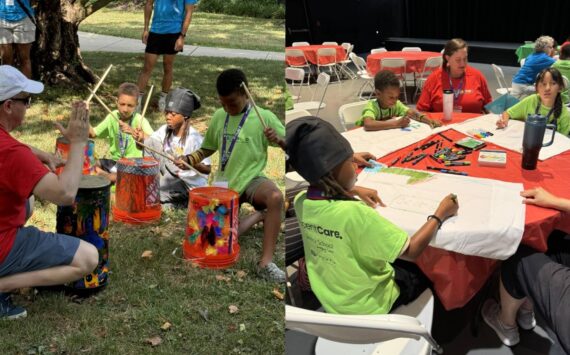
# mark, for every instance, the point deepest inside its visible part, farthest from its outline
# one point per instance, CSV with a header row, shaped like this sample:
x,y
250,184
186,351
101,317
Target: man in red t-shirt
x,y
28,256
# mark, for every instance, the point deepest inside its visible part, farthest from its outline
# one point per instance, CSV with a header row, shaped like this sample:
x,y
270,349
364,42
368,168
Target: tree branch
x,y
91,7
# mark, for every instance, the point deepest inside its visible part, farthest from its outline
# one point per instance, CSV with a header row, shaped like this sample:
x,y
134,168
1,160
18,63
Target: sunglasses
x,y
27,101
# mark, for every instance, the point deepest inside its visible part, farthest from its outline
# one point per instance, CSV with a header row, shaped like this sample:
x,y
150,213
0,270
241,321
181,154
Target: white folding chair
x,y
503,88
295,74
411,49
378,50
327,53
350,113
297,44
360,64
398,66
330,44
298,56
405,331
343,64
293,114
322,83
430,65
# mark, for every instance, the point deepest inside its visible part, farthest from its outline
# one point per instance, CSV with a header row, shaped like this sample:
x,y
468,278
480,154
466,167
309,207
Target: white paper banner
x,y
490,221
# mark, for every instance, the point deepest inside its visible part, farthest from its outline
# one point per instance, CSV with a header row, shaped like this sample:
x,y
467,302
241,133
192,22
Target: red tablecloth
x,y
456,117
311,55
415,61
457,277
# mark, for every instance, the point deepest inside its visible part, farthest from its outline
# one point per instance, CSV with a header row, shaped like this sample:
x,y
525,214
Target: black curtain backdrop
x,y
368,23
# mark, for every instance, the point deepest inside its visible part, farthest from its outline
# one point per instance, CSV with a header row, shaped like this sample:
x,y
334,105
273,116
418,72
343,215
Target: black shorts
x,y
411,281
161,43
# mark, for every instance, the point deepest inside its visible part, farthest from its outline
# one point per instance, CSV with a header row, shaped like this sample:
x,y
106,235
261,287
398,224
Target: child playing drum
x,y
122,128
178,138
238,134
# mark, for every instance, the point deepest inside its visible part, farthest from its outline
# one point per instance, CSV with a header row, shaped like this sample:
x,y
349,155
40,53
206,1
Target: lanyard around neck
x,y
123,146
226,155
456,92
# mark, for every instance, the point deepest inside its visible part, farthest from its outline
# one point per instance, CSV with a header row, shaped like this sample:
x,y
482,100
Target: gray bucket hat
x,y
182,101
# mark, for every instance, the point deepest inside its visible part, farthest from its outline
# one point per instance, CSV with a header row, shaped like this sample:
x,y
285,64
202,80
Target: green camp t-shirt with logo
x,y
109,128
249,156
348,250
373,110
528,105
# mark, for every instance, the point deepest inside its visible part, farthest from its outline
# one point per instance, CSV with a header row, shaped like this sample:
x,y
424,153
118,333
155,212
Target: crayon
x,y
394,161
457,163
444,137
419,158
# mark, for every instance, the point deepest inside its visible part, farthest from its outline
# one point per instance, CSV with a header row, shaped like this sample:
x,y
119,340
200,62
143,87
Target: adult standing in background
x,y
17,33
469,86
523,81
170,21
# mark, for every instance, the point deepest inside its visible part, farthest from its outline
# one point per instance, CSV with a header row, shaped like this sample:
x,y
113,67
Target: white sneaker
x,y
162,102
272,272
526,319
490,312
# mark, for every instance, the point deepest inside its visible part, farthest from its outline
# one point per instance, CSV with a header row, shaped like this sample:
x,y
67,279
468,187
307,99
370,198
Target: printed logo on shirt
x,y
318,229
240,139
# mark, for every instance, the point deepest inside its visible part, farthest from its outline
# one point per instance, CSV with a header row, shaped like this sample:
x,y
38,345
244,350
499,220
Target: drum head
x,y
93,182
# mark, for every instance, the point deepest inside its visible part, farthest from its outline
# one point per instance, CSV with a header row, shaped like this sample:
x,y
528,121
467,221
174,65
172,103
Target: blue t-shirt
x,y
533,64
13,12
169,15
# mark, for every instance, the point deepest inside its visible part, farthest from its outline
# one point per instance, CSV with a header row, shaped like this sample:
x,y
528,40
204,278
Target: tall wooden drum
x,y
88,219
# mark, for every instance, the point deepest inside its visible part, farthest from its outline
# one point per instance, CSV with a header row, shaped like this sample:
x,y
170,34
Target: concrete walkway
x,y
91,42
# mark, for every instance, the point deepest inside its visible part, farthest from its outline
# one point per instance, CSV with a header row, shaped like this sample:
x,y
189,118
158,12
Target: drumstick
x,y
163,154
99,83
146,105
100,101
254,105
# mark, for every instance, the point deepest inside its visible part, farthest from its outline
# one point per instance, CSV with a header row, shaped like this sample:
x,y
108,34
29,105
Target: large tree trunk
x,y
56,57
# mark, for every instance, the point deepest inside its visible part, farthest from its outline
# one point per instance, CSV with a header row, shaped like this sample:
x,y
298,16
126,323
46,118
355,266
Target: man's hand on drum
x,y
77,130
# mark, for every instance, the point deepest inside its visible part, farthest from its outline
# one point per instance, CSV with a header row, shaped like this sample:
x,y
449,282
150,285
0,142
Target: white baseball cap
x,y
13,82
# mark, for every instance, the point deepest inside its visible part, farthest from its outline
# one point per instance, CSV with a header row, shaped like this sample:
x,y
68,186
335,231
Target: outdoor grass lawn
x,y
206,29
143,294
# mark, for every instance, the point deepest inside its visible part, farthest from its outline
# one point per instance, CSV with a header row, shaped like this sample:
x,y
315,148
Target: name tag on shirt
x,y
9,2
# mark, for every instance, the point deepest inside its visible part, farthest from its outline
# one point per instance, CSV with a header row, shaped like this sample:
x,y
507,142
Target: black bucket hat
x,y
315,147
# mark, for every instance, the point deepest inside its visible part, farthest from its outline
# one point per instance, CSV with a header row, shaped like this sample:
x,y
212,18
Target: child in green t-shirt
x,y
378,114
238,134
123,128
351,251
547,102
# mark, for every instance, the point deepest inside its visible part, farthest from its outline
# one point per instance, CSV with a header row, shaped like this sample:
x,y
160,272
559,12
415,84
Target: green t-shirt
x,y
563,65
348,250
109,128
373,110
289,105
528,105
249,157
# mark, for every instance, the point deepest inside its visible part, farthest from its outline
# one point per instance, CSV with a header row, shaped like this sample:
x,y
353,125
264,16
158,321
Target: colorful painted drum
x,y
62,150
88,219
211,231
137,197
